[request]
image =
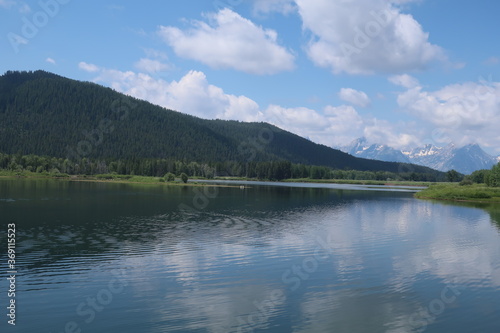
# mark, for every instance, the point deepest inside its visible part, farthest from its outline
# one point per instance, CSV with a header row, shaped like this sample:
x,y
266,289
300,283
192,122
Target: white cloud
x,y
462,113
300,120
365,37
151,66
329,127
193,94
51,61
404,80
268,6
355,97
88,67
230,41
396,135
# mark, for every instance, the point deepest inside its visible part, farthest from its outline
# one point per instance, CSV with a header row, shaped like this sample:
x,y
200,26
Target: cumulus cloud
x,y
193,94
303,121
332,125
50,61
462,113
366,37
396,135
230,41
355,97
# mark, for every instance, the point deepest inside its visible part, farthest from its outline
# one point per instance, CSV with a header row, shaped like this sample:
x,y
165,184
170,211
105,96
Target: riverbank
x,y
122,179
455,192
193,182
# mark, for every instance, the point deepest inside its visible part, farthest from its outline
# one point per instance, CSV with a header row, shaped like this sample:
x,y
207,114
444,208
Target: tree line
x,y
489,177
269,170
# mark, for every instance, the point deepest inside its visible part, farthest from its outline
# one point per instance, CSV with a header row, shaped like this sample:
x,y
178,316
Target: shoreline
x,y
127,179
93,179
476,193
449,192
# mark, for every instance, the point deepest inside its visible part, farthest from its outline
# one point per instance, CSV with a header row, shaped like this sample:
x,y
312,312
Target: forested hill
x,y
45,114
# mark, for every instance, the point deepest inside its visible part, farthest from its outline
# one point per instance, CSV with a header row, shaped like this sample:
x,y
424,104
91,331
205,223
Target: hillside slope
x,y
46,114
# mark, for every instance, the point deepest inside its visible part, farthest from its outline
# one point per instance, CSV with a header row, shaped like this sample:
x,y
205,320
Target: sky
x,y
398,72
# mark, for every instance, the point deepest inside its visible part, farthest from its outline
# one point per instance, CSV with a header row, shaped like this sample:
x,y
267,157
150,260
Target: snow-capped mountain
x,y
432,156
361,148
466,159
471,158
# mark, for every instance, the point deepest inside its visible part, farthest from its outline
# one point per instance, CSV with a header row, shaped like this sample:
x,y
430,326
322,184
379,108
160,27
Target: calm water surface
x,y
94,257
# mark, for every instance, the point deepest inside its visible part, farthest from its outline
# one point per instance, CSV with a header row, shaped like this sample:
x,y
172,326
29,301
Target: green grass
x,y
156,180
111,178
455,192
29,174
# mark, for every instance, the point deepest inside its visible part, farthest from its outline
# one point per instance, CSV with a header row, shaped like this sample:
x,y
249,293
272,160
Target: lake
x,y
104,257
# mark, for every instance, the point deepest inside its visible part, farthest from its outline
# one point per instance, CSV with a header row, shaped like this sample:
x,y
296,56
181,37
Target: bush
x,y
184,177
466,182
169,177
61,175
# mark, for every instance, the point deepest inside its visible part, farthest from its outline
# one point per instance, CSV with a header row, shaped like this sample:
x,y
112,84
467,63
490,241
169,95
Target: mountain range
x,y
465,159
46,114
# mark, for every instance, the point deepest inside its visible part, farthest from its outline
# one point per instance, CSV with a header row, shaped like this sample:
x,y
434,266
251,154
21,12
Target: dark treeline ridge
x,y
97,129
273,170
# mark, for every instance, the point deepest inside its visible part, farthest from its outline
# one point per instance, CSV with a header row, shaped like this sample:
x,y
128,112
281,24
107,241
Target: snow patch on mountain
x,y
466,159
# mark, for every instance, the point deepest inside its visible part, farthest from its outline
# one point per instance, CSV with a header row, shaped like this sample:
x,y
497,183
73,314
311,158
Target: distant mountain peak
x,y
464,159
361,148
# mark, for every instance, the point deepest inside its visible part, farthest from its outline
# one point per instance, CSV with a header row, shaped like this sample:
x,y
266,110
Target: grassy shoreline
x,y
454,192
107,178
118,179
479,193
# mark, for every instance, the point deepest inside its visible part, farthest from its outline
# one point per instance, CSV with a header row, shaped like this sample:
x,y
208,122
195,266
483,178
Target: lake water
x,y
100,257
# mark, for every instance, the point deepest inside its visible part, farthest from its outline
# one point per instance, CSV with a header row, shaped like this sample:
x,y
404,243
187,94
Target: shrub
x,y
184,177
466,182
169,177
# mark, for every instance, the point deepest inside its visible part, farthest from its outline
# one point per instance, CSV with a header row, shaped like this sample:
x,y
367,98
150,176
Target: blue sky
x,y
400,72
